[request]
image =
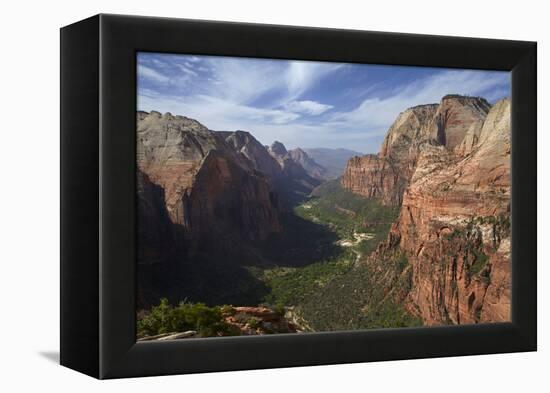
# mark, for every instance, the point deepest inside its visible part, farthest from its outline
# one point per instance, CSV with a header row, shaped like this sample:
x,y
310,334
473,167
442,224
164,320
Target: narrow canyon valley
x,y
238,238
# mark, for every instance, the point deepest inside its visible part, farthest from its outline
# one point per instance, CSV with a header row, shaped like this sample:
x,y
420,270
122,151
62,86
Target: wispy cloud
x,y
186,69
374,112
313,108
150,73
301,75
307,104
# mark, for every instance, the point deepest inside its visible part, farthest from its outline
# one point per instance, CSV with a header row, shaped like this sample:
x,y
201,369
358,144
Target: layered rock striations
x,y
449,168
198,187
286,170
454,123
244,143
208,191
386,175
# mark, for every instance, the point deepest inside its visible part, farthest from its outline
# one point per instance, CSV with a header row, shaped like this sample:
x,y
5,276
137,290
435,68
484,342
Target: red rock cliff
x,y
208,189
454,224
455,123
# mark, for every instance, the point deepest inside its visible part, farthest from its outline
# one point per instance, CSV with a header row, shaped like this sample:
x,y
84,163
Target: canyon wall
x,y
195,178
448,166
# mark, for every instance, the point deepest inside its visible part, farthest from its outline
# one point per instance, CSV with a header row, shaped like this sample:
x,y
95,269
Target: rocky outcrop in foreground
x,y
241,321
448,166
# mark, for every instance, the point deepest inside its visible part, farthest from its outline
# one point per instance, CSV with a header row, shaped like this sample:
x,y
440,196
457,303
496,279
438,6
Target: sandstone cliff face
x,y
454,224
155,232
209,190
387,174
244,143
374,177
312,168
283,169
455,117
454,123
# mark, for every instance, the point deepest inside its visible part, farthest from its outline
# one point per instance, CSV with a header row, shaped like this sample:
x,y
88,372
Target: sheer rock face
x,y
454,224
387,174
373,177
283,168
208,190
155,232
312,168
454,123
454,118
278,150
244,143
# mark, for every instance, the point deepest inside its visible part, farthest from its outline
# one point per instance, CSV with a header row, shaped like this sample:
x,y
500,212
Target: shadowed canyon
x,y
238,238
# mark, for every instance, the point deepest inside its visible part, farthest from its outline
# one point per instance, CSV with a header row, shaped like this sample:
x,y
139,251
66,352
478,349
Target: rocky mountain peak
x,y
457,116
298,155
278,149
312,168
244,143
409,129
164,138
455,124
480,102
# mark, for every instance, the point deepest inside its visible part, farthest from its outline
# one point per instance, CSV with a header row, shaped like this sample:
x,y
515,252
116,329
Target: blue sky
x,y
301,103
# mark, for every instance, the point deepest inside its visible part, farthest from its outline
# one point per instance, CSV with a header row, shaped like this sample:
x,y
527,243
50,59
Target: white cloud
x,y
374,113
242,81
301,75
307,107
187,70
272,99
215,113
152,74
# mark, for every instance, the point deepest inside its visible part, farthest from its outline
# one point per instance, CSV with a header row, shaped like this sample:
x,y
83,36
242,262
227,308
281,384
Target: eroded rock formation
x,y
455,124
448,165
207,189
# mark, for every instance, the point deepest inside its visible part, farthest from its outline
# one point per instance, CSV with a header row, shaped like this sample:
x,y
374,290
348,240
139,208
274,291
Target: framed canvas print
x,y
298,196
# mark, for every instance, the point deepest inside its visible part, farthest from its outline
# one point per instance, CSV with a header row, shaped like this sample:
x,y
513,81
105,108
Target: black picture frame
x,y
98,176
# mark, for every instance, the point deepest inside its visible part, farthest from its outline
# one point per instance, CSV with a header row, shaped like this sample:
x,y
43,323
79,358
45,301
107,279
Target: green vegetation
x,y
402,262
290,286
337,293
347,213
479,263
165,318
322,272
356,224
469,237
359,300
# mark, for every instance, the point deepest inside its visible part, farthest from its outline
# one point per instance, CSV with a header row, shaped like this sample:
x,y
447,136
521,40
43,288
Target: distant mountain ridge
x,y
333,160
312,168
